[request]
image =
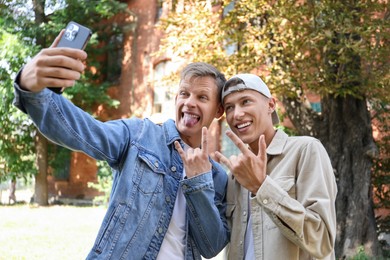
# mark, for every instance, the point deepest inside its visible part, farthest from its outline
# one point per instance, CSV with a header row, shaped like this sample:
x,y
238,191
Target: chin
x,y
187,130
244,139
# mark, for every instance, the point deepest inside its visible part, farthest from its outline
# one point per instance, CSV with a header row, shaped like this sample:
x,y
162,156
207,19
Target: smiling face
x,y
197,104
248,114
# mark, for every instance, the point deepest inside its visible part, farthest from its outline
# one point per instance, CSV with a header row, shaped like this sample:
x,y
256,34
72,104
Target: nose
x,y
238,113
190,101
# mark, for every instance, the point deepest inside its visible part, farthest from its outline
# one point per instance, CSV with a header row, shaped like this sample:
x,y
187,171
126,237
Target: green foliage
x,y
104,184
59,161
21,30
297,45
361,254
17,156
86,93
381,167
381,170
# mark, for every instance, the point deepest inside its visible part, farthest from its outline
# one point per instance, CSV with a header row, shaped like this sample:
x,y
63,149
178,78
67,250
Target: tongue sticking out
x,y
190,120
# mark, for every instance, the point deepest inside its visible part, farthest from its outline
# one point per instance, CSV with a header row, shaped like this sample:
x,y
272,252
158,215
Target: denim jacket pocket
x,y
149,173
117,217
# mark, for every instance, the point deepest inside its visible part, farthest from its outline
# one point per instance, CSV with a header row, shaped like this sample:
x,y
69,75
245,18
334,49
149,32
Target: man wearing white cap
x,y
282,190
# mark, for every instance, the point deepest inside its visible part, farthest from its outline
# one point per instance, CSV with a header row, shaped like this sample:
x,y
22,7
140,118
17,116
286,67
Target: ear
x,y
220,111
271,105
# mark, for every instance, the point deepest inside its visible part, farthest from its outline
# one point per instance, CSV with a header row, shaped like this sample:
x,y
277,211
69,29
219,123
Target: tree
x,y
25,33
336,49
16,143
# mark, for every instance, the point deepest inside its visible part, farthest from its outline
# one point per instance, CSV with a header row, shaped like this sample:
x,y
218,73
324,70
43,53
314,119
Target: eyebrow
x,y
244,97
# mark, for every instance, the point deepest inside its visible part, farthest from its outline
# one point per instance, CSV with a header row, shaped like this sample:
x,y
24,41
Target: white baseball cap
x,y
248,81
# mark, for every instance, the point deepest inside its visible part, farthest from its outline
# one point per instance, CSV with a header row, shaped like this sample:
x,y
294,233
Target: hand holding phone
x,y
75,36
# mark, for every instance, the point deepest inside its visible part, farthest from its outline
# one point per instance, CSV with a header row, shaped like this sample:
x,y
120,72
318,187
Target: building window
x,y
316,106
164,91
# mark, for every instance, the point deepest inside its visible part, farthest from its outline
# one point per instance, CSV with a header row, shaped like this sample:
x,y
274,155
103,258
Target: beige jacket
x,y
293,214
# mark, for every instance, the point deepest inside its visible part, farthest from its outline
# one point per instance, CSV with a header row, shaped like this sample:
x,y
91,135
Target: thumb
x,y
57,39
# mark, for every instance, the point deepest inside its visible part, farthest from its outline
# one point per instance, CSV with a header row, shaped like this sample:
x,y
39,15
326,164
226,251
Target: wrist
x,y
257,186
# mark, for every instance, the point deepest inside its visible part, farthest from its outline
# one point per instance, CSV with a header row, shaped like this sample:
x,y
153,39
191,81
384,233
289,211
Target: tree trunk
x,y
345,130
347,136
41,190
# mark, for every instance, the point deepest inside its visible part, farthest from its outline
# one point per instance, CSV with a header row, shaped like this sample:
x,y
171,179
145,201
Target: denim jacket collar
x,y
170,131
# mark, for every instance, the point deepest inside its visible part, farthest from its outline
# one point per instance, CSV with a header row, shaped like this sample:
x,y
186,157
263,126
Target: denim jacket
x,y
147,171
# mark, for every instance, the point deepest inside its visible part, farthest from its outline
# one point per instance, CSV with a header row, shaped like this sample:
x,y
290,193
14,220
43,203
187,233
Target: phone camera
x,y
71,32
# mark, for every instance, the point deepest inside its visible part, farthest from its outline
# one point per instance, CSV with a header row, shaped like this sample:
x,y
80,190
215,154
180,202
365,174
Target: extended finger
x,y
180,150
238,142
221,158
262,149
204,140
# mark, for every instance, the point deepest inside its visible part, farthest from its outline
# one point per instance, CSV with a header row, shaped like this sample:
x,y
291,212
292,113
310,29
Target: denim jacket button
x,y
160,230
156,164
167,199
184,187
173,168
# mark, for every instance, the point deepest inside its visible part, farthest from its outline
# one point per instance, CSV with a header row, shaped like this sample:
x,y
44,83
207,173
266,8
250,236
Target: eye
x,y
204,97
246,101
228,108
182,93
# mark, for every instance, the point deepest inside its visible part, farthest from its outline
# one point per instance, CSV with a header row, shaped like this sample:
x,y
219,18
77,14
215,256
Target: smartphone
x,y
75,36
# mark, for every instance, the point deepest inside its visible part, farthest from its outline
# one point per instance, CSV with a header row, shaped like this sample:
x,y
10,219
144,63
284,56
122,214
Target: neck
x,y
191,141
254,147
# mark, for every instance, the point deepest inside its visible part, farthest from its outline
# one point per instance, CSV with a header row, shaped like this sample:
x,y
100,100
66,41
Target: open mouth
x,y
190,119
243,125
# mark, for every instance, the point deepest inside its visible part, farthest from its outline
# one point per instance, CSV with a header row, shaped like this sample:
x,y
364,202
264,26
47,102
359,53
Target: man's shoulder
x,y
305,139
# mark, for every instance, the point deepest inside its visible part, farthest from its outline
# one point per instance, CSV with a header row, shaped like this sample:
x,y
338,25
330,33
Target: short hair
x,y
202,69
231,83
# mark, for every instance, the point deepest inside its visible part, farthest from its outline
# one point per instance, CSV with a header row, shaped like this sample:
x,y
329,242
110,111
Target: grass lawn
x,y
54,232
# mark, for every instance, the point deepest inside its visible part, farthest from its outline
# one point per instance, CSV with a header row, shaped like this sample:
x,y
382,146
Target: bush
x,y
104,184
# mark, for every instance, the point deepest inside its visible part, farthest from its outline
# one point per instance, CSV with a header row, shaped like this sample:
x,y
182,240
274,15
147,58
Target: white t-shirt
x,y
173,245
249,246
